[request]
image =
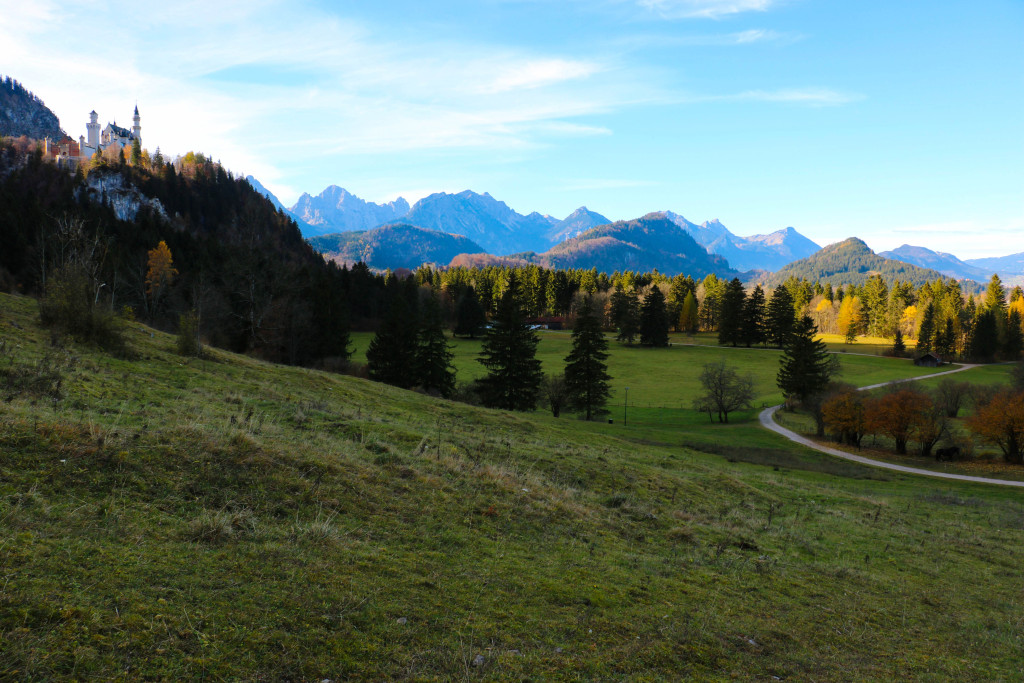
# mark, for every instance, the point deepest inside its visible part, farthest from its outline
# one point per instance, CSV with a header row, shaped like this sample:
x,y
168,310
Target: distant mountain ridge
x,y
499,230
1009,267
757,252
489,222
258,186
396,245
852,262
338,210
947,264
652,242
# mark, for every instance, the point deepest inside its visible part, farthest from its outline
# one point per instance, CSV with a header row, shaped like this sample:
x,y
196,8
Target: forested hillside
x,y
852,262
242,266
394,246
650,243
24,114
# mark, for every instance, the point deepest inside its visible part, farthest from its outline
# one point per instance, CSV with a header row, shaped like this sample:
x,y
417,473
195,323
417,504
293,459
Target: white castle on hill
x,y
111,136
71,153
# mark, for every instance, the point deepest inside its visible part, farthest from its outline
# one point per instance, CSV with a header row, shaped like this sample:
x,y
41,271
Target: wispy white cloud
x,y
539,73
251,82
815,97
706,9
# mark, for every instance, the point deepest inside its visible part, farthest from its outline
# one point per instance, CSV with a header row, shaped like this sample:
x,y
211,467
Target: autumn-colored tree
x,y
1001,421
849,318
897,415
160,272
688,319
843,415
932,423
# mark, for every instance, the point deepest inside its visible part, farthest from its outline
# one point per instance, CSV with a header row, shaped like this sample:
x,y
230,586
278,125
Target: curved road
x,y
768,421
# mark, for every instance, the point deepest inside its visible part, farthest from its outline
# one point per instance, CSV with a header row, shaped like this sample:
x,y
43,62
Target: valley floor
x,y
183,519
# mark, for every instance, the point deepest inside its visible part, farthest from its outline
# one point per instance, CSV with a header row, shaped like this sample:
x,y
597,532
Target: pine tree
x,y
625,313
806,365
470,318
730,326
927,329
985,340
945,340
898,346
586,369
781,316
1014,344
995,295
509,353
433,363
755,314
391,357
654,319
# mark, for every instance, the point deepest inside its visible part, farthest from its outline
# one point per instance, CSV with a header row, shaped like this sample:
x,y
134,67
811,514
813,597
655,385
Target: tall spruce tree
x,y
586,368
625,313
806,365
755,313
781,316
509,353
433,362
1014,343
926,332
391,356
654,319
985,340
469,315
730,326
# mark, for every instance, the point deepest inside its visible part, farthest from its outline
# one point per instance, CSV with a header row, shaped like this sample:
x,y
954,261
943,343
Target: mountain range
x,y
757,252
396,245
653,242
947,264
852,262
1010,268
499,229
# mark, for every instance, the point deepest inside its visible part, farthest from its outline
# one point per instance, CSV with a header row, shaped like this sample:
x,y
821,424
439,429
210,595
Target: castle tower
x,y
93,129
137,128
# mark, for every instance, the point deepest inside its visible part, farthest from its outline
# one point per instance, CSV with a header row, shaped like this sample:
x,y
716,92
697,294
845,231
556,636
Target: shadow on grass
x,y
781,459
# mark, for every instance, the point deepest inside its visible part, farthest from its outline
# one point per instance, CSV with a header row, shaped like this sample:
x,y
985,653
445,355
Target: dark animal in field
x,y
950,453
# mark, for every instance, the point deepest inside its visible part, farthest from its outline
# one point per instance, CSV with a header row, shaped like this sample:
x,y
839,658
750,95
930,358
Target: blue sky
x,y
898,122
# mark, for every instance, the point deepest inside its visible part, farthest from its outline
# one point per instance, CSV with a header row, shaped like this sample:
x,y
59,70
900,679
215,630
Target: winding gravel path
x,y
768,421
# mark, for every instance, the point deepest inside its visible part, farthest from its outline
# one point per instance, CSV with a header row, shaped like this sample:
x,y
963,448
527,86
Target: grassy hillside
x,y
228,519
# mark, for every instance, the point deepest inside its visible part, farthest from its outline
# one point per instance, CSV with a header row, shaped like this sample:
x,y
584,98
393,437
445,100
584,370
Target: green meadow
x,y
670,377
164,518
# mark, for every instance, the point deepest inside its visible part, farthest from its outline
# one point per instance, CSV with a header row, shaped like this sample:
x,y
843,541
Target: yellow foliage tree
x,y
849,318
160,272
1018,305
908,320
